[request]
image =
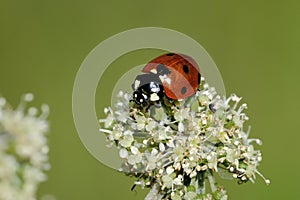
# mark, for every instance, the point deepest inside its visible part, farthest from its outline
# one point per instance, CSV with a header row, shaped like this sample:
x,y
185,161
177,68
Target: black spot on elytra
x,y
170,54
183,90
199,78
185,69
162,70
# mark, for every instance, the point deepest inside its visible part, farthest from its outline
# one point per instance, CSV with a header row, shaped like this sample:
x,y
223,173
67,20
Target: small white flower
x,y
178,180
122,117
151,160
134,150
250,153
162,135
237,121
123,153
151,125
140,122
167,181
116,134
134,159
203,99
235,98
126,141
250,171
108,121
212,161
223,137
193,174
179,152
170,143
181,115
162,147
170,170
180,127
232,155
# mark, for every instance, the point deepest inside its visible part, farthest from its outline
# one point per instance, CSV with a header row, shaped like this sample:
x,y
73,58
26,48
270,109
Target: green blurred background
x,y
255,44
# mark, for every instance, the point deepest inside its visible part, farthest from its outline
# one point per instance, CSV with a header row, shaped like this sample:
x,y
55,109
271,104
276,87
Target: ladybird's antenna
x,y
132,188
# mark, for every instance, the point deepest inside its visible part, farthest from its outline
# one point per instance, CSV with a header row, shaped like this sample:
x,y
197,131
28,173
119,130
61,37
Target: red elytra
x,y
183,78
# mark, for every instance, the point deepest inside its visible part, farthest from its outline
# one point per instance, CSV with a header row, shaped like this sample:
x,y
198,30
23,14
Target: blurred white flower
x,y
23,149
8,166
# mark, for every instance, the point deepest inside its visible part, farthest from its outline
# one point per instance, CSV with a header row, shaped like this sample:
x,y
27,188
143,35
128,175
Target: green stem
x,y
212,182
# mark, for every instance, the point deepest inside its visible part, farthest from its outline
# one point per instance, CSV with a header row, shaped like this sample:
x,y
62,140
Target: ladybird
x,y
174,75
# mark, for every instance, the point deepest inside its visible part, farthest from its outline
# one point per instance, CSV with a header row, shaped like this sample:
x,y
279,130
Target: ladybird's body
x,y
175,75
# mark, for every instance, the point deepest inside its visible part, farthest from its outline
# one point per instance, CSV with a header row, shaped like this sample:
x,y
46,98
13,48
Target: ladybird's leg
x,y
211,107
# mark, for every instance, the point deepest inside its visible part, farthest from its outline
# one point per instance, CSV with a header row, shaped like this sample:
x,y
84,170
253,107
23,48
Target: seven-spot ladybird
x,y
175,75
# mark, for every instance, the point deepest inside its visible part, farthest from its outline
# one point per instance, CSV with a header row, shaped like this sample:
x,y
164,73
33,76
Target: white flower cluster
x,y
175,146
23,149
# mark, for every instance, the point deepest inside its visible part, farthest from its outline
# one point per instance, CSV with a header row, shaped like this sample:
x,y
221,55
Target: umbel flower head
x,y
177,147
23,149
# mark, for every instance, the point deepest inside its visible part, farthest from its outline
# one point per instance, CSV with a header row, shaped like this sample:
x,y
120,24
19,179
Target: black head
x,y
139,97
147,88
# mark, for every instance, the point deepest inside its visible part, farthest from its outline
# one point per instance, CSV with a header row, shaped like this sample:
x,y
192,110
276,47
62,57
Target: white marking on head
x,y
145,96
154,97
137,84
154,71
154,87
141,100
